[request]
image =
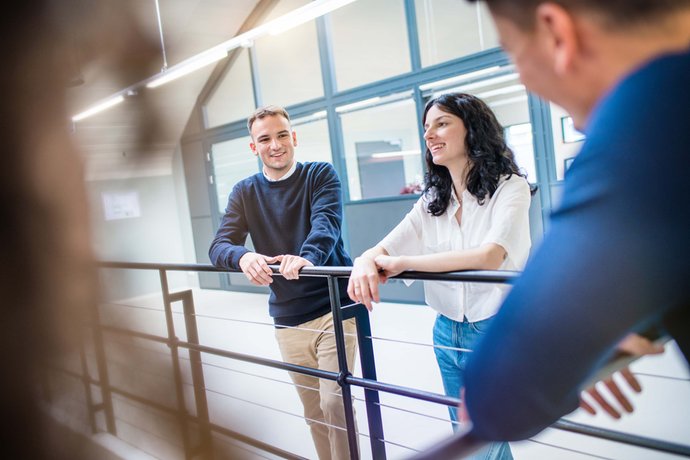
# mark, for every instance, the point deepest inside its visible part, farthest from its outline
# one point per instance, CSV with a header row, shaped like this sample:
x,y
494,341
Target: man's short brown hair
x,y
267,111
616,13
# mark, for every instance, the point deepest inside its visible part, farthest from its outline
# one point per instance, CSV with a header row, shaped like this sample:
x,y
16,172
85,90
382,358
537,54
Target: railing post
x,y
334,294
368,363
174,355
102,364
86,380
205,447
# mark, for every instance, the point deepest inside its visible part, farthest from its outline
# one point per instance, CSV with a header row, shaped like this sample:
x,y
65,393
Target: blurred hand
x,y
463,415
255,268
363,286
635,345
290,266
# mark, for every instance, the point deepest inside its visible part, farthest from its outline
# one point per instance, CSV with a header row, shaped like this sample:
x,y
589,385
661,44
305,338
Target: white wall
x,y
161,233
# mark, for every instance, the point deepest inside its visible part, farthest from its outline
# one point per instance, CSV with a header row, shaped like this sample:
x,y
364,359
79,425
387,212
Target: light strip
x,y
292,19
499,91
459,78
395,154
306,13
357,105
188,66
99,107
488,82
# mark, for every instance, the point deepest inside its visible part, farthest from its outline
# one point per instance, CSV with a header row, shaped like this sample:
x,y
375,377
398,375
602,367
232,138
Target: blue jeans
x,y
449,333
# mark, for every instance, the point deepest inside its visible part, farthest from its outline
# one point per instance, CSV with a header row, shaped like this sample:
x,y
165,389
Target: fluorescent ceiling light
x,y
488,82
188,66
459,78
306,13
99,107
499,91
299,16
308,118
395,154
358,105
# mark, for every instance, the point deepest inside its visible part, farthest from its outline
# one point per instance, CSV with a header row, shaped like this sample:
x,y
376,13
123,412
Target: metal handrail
x,y
475,276
459,445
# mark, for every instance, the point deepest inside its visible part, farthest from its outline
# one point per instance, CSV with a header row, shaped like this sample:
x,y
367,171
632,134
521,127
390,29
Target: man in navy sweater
x,y
615,258
293,212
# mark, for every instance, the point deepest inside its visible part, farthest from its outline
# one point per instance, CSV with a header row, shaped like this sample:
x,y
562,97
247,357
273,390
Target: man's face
x,y
274,142
538,55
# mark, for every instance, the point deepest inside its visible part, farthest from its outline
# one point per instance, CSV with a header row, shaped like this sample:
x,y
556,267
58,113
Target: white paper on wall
x,y
121,205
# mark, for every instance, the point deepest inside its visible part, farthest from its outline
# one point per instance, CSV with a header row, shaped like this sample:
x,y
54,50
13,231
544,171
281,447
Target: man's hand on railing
x,y
633,345
255,268
363,286
291,265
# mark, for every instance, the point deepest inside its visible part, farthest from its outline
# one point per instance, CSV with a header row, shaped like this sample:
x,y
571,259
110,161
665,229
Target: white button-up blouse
x,y
503,219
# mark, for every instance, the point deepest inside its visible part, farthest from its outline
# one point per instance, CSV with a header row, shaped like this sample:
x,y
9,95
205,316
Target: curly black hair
x,y
489,155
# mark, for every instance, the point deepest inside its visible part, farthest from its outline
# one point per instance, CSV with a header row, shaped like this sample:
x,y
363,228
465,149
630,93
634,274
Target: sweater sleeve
x,y
228,245
326,216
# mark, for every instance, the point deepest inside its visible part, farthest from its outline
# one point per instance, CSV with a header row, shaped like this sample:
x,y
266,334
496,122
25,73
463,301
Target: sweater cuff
x,y
313,258
235,257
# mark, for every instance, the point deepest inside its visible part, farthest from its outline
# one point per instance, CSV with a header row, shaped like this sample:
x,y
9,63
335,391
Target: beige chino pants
x,y
322,399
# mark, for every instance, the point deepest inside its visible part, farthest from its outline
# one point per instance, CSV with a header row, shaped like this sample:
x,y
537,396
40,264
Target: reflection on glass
x,y
289,64
232,161
313,140
569,132
567,141
519,139
501,89
369,42
233,99
450,29
382,152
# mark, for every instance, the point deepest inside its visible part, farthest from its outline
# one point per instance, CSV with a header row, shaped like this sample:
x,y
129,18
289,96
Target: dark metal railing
x,y
461,444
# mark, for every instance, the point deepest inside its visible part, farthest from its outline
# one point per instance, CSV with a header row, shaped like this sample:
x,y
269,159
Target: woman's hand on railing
x,y
363,286
389,266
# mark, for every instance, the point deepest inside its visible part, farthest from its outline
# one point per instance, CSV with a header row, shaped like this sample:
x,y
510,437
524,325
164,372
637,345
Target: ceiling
x,y
110,139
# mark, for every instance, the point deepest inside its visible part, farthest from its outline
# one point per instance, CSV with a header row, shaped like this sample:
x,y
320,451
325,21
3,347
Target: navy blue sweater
x,y
615,259
300,215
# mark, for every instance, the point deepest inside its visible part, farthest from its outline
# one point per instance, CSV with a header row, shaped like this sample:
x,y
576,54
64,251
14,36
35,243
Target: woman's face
x,y
444,134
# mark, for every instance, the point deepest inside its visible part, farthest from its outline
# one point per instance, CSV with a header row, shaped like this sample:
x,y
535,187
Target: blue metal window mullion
x,y
540,114
416,60
256,85
413,35
335,132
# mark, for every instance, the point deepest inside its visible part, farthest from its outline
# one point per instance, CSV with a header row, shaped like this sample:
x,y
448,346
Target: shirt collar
x,y
284,176
454,204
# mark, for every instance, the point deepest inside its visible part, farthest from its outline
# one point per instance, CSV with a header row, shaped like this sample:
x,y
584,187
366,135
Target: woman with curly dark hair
x,y
473,215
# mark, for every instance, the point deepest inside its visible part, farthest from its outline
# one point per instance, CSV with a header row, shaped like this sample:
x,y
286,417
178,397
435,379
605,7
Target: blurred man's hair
x,y
614,13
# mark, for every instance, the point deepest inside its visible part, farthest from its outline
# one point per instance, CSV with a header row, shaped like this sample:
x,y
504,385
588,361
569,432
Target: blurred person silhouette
x,y
48,282
615,258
